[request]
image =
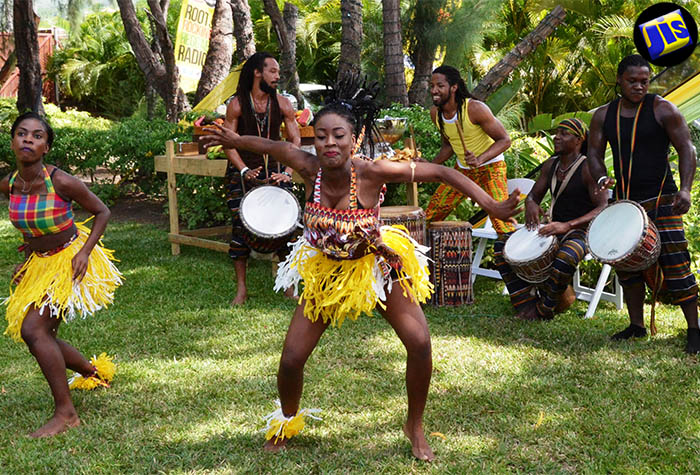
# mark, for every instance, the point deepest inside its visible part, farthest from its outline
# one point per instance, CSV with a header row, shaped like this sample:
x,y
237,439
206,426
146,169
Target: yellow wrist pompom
x,y
103,375
282,427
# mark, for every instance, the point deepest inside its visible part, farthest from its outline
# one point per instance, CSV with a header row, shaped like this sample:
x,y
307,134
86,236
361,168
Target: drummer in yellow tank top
x,y
479,157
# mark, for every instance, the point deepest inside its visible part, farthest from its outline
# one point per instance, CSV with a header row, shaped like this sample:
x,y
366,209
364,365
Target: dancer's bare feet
x,y
240,298
56,425
419,446
289,293
274,447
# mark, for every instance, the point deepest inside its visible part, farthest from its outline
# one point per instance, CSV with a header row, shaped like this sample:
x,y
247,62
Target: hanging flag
x,y
192,40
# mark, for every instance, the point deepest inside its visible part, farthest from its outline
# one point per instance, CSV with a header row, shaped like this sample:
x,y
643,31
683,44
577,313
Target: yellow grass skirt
x,y
335,289
47,282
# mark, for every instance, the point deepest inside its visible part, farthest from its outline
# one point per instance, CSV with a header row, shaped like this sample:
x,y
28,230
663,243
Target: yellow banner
x,y
192,40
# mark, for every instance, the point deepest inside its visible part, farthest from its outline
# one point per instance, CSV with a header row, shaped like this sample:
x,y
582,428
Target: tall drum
x,y
270,216
623,236
412,217
451,266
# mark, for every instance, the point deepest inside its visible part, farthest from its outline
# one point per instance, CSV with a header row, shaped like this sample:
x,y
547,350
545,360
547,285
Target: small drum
x,y
270,216
412,217
451,262
530,255
623,236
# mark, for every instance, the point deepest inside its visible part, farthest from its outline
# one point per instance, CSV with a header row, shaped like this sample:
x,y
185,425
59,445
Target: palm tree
x,y
27,51
219,55
393,53
242,30
97,69
160,69
351,43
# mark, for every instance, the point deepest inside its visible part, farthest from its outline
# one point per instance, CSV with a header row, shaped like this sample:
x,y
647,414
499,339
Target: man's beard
x,y
441,102
266,88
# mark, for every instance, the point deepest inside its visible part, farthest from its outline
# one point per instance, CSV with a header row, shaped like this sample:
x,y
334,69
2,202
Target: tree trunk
x,y
242,30
220,53
160,72
393,53
290,77
27,49
351,37
500,72
423,49
286,38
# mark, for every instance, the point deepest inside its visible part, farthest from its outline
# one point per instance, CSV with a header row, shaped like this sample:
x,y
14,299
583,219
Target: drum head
x,y
270,211
525,245
616,231
398,211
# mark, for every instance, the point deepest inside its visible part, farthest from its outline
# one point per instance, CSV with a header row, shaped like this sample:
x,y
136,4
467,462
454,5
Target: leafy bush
x,y
97,70
83,144
202,201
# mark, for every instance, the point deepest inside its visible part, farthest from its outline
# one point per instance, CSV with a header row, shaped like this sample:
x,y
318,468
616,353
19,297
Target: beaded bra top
x,y
341,233
40,215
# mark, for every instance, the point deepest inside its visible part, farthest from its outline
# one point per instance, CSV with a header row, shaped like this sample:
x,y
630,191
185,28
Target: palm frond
x,y
613,27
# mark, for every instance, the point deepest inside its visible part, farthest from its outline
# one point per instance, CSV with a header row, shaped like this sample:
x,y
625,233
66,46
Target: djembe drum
x,y
270,217
451,262
530,255
623,236
412,217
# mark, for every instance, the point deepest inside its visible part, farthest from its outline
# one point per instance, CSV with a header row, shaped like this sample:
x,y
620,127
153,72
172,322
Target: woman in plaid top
x,y
66,272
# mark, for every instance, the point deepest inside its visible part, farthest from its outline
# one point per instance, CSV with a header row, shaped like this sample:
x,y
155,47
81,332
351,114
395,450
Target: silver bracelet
x,y
244,170
604,177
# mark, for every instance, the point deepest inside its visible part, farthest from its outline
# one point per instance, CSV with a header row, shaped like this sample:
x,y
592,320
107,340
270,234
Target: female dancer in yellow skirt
x,y
348,264
66,272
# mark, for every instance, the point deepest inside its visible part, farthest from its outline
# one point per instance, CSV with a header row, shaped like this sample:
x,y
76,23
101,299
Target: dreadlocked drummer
x,y
348,265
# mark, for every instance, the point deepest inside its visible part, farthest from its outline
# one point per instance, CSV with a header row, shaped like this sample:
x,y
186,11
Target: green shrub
x,y
84,144
202,201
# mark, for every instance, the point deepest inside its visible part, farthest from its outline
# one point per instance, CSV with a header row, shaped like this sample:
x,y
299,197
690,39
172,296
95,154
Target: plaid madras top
x,y
39,215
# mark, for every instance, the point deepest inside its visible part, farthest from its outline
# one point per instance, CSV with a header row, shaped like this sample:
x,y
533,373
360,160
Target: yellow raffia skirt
x,y
47,282
335,289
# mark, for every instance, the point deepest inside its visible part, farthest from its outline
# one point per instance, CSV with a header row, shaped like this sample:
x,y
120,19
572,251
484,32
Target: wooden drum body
x,y
412,217
530,255
623,236
451,266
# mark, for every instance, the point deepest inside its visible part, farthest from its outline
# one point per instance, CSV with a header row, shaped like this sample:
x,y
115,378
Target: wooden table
x,y
173,164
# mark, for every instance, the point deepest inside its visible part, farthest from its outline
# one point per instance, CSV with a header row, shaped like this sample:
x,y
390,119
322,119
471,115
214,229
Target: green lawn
x,y
195,377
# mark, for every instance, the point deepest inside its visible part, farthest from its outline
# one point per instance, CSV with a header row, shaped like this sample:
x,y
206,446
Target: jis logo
x,y
665,34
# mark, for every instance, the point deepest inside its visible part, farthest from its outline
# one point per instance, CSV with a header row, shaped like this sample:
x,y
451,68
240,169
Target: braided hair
x,y
461,94
632,61
352,97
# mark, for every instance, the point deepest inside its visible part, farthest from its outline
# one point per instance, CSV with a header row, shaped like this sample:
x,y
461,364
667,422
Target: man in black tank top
x,y
255,109
575,202
639,128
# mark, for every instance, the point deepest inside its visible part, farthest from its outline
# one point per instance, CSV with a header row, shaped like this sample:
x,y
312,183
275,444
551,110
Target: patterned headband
x,y
575,126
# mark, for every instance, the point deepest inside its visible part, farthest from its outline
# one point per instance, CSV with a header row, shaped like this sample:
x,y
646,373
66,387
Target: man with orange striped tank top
x,y
470,131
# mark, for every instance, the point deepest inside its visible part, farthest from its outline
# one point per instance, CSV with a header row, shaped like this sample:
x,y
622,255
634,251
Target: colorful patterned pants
x,y
491,178
572,249
238,247
678,280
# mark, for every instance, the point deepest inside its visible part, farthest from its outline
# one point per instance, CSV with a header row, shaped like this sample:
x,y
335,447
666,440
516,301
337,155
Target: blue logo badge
x,y
665,34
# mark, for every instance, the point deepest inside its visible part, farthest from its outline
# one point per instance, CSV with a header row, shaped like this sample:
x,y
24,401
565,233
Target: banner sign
x,y
192,41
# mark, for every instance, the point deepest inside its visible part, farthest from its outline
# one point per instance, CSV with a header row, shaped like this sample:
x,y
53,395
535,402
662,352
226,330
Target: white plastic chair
x,y
488,233
595,295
